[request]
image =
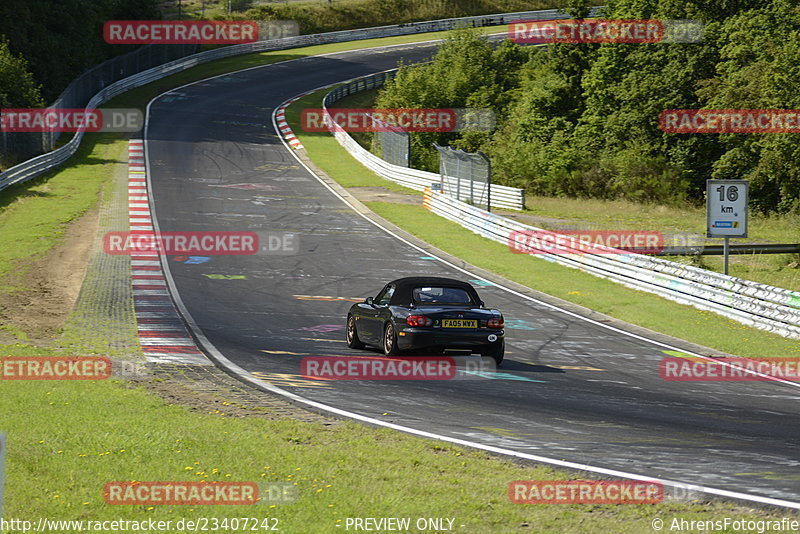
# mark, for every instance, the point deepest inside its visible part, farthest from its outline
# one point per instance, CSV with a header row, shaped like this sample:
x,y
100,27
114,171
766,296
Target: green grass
x,y
67,439
360,100
780,270
601,295
607,297
34,215
139,97
328,152
612,214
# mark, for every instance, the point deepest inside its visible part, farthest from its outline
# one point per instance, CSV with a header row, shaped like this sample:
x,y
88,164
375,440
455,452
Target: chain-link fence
x,y
392,144
17,146
465,175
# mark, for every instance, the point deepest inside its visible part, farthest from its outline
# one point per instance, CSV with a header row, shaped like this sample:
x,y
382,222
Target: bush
x,y
582,120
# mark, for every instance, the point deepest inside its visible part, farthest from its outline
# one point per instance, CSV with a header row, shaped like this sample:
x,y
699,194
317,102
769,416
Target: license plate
x,y
459,323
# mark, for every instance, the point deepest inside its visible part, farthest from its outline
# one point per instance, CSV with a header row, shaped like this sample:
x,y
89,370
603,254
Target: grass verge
x,y
67,439
780,270
607,297
57,469
34,215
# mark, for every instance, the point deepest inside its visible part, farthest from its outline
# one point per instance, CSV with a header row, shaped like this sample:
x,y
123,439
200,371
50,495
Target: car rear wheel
x,y
352,334
497,352
390,341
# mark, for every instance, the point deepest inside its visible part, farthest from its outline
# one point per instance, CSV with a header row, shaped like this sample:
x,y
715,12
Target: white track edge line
x,y
246,376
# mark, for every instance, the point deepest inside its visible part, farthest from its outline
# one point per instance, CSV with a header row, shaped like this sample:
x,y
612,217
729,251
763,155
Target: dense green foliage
x,y
62,38
351,14
17,90
17,87
582,120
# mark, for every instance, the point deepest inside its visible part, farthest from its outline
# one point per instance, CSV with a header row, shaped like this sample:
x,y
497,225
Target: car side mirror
x,y
481,303
368,301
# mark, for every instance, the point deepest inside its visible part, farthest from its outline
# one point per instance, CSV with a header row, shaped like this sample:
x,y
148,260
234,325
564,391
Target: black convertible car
x,y
426,314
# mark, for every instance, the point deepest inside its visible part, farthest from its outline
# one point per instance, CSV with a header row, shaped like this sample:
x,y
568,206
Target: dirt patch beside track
x,y
382,194
43,290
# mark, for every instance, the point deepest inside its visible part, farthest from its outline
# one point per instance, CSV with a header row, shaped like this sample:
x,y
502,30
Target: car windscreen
x,y
441,295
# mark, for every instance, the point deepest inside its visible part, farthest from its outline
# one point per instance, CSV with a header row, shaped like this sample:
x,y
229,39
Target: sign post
x,y
727,211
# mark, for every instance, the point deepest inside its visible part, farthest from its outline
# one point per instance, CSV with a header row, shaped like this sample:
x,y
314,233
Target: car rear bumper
x,y
477,340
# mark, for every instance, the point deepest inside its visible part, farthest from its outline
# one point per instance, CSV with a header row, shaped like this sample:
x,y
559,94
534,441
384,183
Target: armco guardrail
x,y
84,87
748,248
768,308
40,164
502,196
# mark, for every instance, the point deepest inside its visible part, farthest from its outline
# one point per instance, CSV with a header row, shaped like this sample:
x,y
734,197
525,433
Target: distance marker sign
x,y
726,208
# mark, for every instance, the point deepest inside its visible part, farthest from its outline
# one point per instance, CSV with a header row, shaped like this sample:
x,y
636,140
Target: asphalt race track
x,y
569,389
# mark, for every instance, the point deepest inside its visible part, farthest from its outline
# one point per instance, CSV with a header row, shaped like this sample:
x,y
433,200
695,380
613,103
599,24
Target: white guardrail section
x,y
40,164
501,196
758,305
769,308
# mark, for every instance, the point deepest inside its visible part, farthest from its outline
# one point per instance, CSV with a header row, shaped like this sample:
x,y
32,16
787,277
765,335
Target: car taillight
x,y
419,320
495,322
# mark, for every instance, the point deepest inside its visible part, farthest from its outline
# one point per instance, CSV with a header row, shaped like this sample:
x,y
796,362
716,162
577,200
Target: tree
x,y
17,86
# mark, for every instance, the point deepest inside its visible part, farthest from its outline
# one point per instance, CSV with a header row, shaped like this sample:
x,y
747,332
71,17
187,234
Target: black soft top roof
x,y
404,287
